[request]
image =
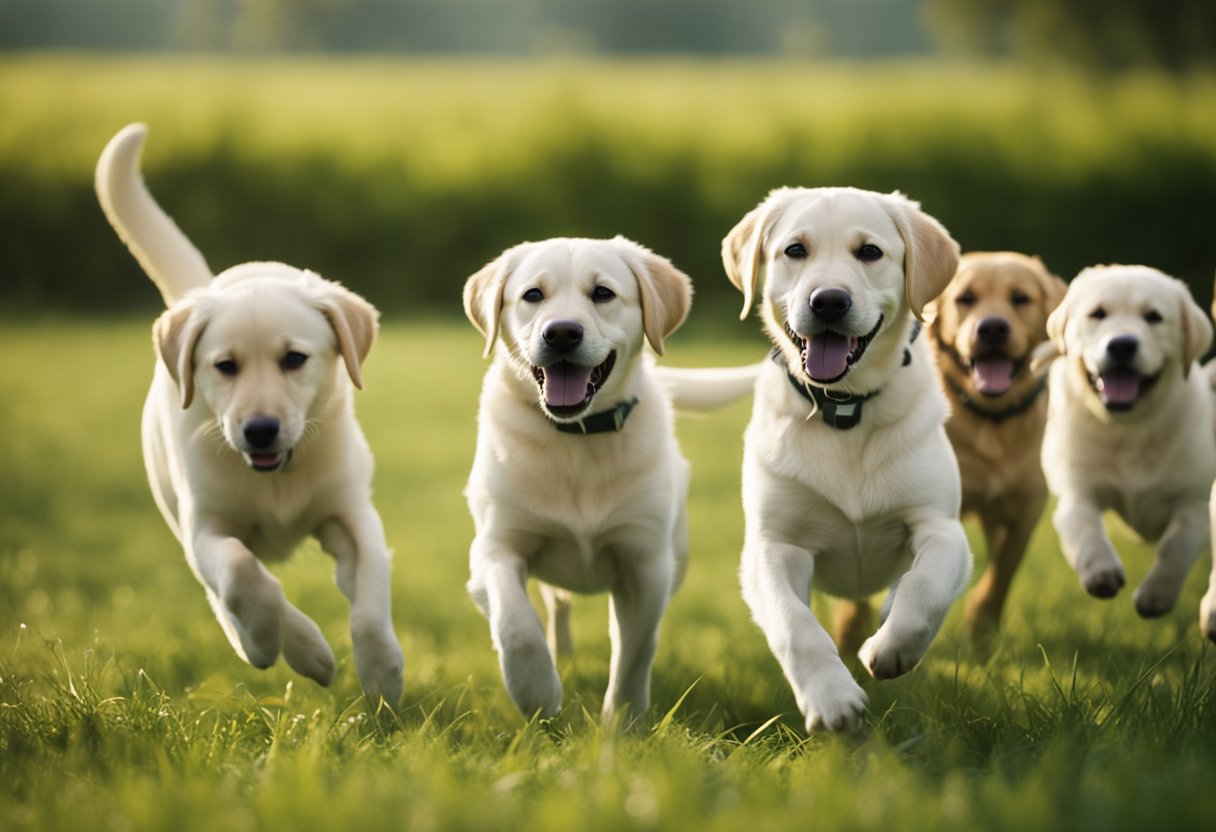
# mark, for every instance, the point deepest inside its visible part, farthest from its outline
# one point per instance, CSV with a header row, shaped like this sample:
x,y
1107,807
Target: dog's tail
x,y
164,252
707,388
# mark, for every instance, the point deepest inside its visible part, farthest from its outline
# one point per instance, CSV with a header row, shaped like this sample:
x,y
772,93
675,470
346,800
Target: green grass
x,y
123,708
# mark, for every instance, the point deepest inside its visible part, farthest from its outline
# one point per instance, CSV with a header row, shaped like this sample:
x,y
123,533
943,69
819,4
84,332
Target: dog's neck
x,y
840,410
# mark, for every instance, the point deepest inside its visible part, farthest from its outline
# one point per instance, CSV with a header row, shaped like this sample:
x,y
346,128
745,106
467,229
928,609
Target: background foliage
x,y
402,177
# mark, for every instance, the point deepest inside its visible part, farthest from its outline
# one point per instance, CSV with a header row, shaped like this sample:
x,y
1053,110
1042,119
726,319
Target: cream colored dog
x,y
577,478
849,482
1129,427
250,439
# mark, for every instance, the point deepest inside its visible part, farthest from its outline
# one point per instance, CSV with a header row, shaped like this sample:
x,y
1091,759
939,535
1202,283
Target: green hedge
x,y
402,177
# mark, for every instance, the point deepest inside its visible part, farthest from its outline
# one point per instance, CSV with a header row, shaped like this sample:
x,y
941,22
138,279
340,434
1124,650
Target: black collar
x,y
606,421
839,411
1016,409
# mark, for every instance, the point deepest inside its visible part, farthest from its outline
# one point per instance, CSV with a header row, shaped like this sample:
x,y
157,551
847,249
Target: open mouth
x,y
1121,389
829,355
567,389
265,462
992,374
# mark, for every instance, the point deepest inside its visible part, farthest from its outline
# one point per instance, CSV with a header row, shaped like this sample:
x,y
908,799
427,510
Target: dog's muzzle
x,y
261,434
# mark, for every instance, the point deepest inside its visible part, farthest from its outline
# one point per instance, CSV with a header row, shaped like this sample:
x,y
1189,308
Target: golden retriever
x,y
849,482
250,439
986,326
577,479
1129,427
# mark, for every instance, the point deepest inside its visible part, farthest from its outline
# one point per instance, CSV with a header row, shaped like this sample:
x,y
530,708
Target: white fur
x,y
229,517
848,512
1153,465
595,513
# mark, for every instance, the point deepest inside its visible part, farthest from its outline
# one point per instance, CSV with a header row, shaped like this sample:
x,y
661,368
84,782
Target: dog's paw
x,y
532,679
892,651
1207,614
379,663
1154,598
254,605
1100,572
305,649
837,702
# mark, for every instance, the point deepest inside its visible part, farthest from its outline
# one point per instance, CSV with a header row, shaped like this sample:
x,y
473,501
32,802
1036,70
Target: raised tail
x,y
707,388
164,252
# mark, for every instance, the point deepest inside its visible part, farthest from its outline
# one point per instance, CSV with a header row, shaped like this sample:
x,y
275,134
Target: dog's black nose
x,y
261,431
1122,348
563,335
830,304
993,331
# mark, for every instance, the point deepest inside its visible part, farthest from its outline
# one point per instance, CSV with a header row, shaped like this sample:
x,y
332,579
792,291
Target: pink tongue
x,y
827,355
1119,387
566,384
992,376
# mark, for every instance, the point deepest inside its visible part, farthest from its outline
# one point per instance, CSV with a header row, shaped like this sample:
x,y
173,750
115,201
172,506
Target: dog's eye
x,y
294,360
226,367
600,294
796,251
1153,316
868,253
1098,314
1020,299
966,298
534,296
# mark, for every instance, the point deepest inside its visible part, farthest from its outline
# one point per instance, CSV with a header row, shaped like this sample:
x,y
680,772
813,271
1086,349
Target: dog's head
x,y
1125,328
573,314
843,268
263,347
993,314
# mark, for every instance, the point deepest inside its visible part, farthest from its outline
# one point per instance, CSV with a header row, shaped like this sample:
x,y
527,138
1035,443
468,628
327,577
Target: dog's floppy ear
x,y
175,334
930,253
483,295
354,322
1057,323
743,246
1196,330
666,291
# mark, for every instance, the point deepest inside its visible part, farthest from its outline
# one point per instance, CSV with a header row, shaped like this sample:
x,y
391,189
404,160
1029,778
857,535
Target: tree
x,y
1176,35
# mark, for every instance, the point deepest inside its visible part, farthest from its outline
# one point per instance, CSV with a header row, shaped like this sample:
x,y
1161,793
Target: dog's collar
x,y
1016,409
840,412
606,421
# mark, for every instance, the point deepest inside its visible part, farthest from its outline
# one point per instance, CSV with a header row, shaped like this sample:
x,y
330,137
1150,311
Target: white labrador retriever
x,y
1129,427
577,478
849,482
250,439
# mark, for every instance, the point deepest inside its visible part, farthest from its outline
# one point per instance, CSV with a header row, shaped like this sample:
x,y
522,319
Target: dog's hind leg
x,y
357,545
557,627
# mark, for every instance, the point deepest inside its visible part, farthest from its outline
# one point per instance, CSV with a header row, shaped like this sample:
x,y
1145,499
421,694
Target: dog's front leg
x,y
358,546
1184,539
643,586
941,566
776,580
498,586
1086,547
252,610
1207,607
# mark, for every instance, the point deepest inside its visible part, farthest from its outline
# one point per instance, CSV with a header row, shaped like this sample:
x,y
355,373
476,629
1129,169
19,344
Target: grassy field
x,y
123,708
